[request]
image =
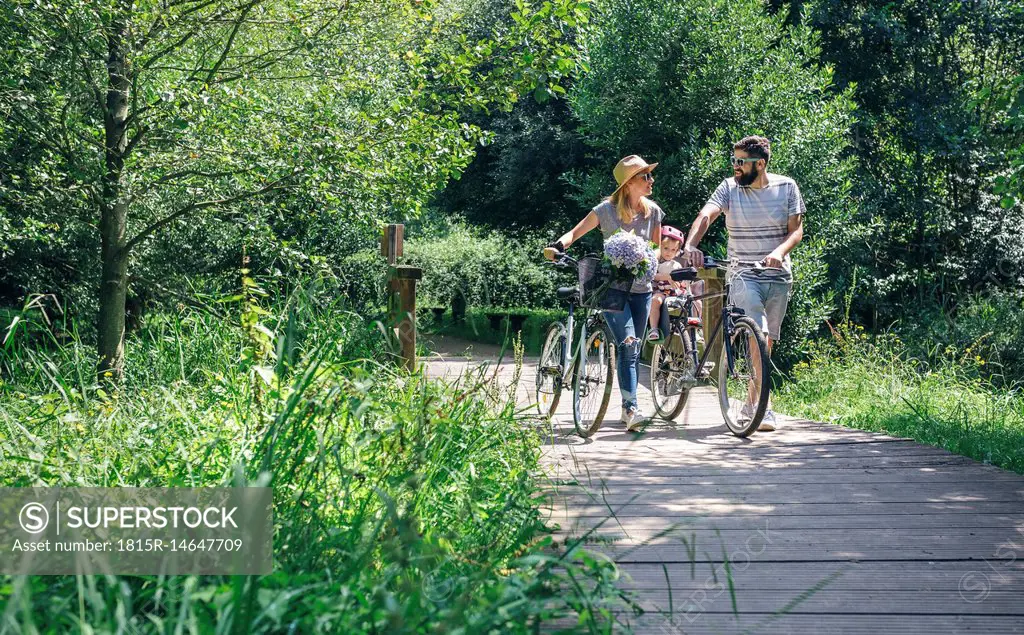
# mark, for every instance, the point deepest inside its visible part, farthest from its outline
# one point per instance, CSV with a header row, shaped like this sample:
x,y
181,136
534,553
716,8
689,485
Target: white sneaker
x,y
746,412
634,420
767,422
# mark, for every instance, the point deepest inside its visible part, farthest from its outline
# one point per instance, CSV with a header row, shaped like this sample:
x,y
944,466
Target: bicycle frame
x,y
567,356
723,324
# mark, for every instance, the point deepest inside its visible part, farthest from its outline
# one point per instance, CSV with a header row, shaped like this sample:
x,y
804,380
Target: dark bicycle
x,y
678,364
588,369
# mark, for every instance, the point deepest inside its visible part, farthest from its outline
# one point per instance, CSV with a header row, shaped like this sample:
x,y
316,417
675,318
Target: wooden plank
x,y
725,508
772,495
765,540
799,576
880,476
795,549
667,466
638,526
715,599
816,624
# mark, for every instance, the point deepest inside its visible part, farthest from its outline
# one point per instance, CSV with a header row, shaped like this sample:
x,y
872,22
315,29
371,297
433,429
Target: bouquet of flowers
x,y
631,255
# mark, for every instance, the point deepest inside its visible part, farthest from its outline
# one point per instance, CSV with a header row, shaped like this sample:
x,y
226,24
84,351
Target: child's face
x,y
670,248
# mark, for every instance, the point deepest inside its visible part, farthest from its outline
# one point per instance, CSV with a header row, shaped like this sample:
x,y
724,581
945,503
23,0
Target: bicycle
x,y
742,368
588,370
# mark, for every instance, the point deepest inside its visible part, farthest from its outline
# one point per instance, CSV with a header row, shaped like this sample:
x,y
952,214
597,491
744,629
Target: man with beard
x,y
764,215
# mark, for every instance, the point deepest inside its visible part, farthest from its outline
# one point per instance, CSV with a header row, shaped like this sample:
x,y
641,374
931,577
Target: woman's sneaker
x,y
634,420
767,422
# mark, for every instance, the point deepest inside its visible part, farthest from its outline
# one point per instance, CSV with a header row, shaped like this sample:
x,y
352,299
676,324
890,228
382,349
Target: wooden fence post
x,y
401,293
714,282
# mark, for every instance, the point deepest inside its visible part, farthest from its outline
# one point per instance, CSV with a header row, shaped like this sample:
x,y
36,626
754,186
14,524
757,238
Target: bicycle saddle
x,y
569,294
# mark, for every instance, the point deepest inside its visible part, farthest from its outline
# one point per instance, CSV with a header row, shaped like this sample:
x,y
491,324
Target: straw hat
x,y
628,167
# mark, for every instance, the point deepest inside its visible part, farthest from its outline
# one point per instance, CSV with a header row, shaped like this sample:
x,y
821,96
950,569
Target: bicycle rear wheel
x,y
548,387
592,382
673,373
743,383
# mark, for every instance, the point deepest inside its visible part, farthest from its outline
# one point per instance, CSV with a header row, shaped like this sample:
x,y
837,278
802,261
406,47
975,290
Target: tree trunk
x,y
114,210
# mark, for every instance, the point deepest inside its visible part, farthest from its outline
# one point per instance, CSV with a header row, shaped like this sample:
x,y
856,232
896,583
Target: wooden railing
x,y
401,294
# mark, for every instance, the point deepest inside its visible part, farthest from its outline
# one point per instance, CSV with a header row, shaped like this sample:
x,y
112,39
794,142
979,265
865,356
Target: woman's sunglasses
x,y
646,176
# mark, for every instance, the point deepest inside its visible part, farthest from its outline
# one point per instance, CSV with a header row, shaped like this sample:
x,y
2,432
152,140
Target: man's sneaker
x,y
635,420
746,412
767,422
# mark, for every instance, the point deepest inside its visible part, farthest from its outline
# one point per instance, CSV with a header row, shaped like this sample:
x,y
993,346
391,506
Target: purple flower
x,y
627,251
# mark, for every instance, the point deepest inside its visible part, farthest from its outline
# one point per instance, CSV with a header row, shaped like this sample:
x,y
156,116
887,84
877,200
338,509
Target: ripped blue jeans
x,y
629,323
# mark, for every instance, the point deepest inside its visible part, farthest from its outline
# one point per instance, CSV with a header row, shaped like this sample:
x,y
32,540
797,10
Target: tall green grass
x,y
875,383
402,504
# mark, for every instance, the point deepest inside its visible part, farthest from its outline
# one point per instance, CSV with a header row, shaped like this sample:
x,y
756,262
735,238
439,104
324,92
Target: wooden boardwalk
x,y
822,529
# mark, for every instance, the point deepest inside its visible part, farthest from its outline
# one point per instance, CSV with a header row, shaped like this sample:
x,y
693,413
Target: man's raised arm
x,y
700,225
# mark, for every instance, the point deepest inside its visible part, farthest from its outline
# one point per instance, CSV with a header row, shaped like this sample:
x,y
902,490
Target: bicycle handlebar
x,y
563,259
758,265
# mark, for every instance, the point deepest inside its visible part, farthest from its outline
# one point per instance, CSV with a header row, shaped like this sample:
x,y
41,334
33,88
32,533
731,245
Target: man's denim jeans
x,y
630,322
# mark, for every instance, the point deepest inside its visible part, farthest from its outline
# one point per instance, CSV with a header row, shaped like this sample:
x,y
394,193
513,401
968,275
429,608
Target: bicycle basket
x,y
600,287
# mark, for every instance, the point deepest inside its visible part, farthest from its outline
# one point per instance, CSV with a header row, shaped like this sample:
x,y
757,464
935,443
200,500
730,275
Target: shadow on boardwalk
x,y
820,528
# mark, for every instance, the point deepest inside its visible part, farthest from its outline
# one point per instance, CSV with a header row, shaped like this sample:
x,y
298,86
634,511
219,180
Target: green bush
x,y
363,278
485,268
810,306
988,327
477,326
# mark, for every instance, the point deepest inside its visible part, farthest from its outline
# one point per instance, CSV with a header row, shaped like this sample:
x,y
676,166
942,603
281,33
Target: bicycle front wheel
x,y
549,371
592,382
743,378
673,373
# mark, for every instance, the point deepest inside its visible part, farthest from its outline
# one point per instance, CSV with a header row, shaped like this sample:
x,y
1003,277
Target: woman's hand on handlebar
x,y
553,250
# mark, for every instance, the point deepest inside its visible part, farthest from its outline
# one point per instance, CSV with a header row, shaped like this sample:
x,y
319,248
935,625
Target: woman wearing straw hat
x,y
627,209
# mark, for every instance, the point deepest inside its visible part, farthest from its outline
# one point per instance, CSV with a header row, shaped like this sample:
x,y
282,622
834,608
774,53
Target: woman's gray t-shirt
x,y
641,226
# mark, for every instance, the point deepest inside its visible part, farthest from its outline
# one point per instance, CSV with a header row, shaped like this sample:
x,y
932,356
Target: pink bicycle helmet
x,y
673,233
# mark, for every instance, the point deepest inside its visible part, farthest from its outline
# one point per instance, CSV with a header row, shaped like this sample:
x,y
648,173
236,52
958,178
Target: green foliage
x,y
679,82
935,132
988,328
290,129
484,268
516,181
810,305
477,326
401,504
874,383
1009,102
363,281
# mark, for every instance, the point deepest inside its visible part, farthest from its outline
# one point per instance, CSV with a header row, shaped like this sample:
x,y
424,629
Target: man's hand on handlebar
x,y
773,260
693,257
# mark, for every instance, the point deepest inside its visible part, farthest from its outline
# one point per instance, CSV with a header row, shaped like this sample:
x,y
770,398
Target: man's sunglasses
x,y
738,161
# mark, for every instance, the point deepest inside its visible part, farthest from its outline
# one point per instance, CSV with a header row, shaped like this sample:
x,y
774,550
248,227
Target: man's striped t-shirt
x,y
758,219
